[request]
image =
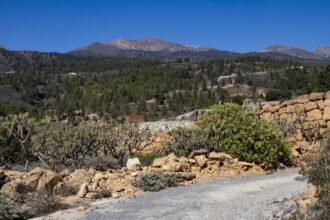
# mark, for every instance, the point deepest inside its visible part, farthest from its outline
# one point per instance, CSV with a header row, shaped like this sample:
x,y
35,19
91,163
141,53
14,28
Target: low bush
x,y
99,163
170,179
62,146
19,128
235,130
146,159
155,181
317,173
121,139
10,208
10,150
44,201
104,193
185,141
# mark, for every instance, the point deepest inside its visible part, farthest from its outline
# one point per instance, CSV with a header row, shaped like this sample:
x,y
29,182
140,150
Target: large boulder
x,y
306,200
159,162
316,96
78,177
267,116
172,163
302,99
290,109
320,104
315,114
14,186
201,160
83,190
219,156
32,178
285,116
327,95
326,114
282,110
310,106
326,103
245,165
99,176
48,180
133,163
172,157
198,152
299,108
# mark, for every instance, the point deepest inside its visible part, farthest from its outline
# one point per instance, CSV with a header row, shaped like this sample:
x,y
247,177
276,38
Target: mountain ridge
x,y
115,47
319,53
161,49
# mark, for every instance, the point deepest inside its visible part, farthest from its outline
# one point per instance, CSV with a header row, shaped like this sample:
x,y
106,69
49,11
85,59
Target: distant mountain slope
x,y
97,49
323,51
151,48
293,51
165,50
149,44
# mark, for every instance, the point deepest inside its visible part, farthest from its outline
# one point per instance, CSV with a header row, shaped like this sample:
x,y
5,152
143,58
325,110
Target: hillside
x,y
118,86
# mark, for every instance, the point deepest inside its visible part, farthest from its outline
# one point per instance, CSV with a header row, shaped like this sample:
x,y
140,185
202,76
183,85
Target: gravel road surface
x,y
254,197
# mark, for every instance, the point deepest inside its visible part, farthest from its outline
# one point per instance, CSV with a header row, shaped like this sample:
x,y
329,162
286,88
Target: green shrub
x,y
317,173
99,163
62,146
155,181
233,129
146,159
20,127
104,193
185,141
11,209
170,179
10,149
120,140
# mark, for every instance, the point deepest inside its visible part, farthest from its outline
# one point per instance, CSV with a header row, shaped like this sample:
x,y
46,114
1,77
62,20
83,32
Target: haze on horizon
x,y
238,25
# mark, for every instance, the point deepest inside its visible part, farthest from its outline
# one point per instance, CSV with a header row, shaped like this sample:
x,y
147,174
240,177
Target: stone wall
x,y
163,126
308,116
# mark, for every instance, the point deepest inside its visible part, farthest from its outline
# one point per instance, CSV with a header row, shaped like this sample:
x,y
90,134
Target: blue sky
x,y
236,25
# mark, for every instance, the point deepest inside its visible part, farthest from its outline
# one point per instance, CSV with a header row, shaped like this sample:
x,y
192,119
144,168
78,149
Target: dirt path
x,y
254,197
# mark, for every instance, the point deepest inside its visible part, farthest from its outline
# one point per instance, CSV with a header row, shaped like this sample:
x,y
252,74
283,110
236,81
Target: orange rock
x,y
315,114
310,106
316,96
326,114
